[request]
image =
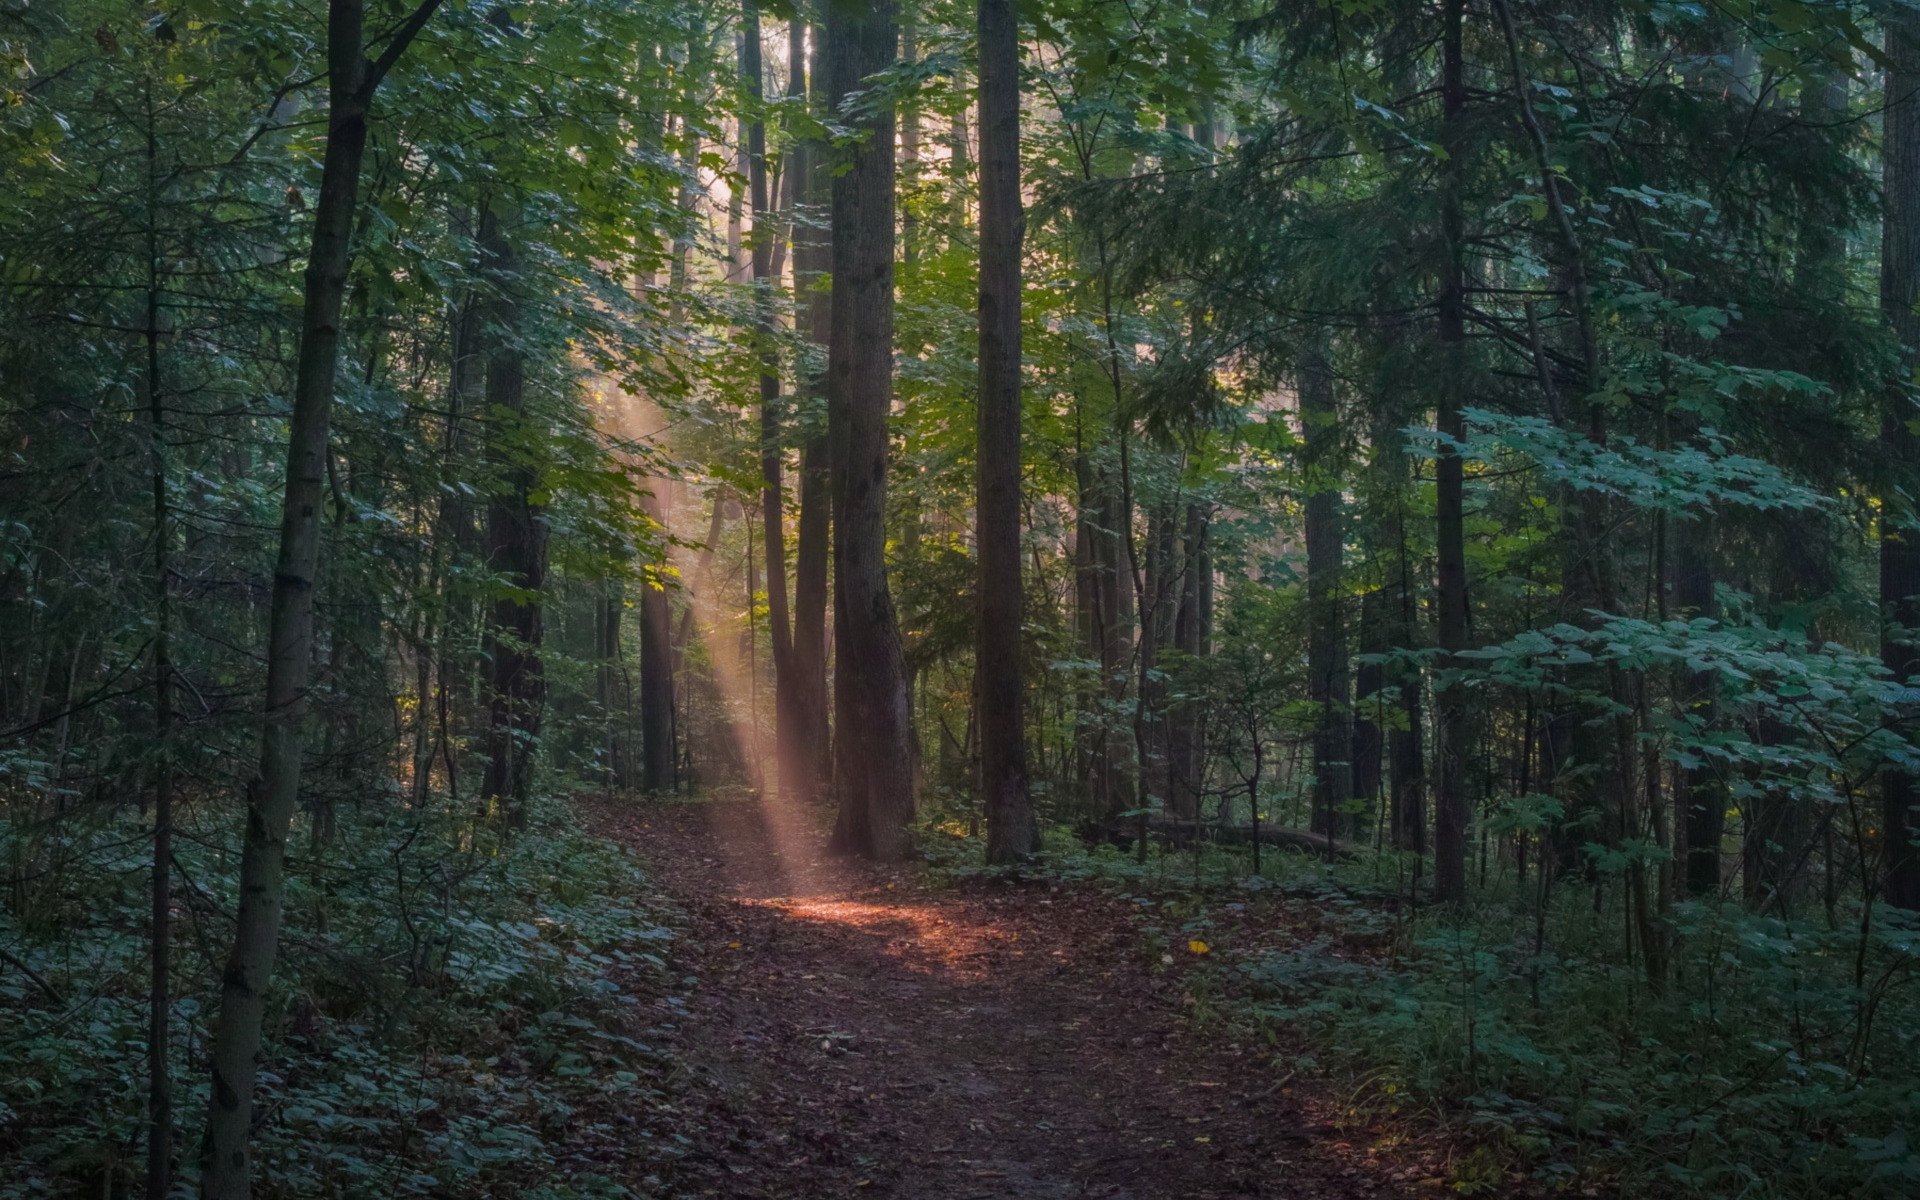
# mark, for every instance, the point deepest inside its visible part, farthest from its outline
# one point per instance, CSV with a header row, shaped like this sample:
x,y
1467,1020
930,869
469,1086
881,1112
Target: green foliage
x,y
446,1005
1689,479
1773,1063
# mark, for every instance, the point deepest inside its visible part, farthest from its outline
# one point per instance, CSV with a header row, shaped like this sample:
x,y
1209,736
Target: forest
x,y
1059,598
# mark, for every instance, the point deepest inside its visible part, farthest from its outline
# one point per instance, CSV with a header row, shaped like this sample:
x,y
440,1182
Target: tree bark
x,y
1698,798
1104,601
454,532
1156,633
910,148
1450,796
811,535
1114,573
1399,630
1186,733
1011,831
1369,692
1603,735
516,549
1086,628
788,732
1899,532
874,754
609,676
656,674
1406,752
1327,682
160,922
274,792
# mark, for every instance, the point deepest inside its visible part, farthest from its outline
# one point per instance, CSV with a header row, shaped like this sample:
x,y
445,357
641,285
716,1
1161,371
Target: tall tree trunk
x,y
874,754
1698,799
1399,631
1406,750
1327,683
454,532
273,793
1156,633
609,677
910,147
1821,272
516,549
1369,693
1011,831
1185,733
160,923
1604,736
656,671
788,732
1450,795
1087,626
694,593
1115,605
737,262
1899,530
811,536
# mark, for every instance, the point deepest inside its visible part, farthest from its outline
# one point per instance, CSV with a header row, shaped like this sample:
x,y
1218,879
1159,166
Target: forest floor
x,y
854,1030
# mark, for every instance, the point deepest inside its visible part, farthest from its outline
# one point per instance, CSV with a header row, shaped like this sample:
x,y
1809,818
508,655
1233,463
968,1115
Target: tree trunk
x,y
1698,797
1086,626
274,791
1603,734
1406,751
656,674
609,678
454,531
1821,273
1899,531
910,147
1327,684
1103,599
516,551
1369,693
1011,831
811,541
1156,633
874,755
1450,798
788,732
1113,581
1185,733
160,923
736,233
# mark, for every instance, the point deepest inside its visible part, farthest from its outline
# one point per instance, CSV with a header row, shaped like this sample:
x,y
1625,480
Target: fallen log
x,y
1181,833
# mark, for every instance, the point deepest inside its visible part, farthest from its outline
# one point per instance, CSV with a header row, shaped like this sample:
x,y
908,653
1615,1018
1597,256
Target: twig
x,y
52,992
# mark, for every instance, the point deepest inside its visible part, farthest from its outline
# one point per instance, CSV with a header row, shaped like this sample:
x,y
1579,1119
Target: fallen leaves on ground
x,y
849,1028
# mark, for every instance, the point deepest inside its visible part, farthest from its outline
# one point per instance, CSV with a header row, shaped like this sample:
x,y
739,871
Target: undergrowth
x,y
446,1007
1769,1059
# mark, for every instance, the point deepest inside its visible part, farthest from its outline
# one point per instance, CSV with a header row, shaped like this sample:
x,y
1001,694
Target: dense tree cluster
x,y
1468,442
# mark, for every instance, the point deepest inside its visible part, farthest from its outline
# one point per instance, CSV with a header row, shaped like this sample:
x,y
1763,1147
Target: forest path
x,y
855,1033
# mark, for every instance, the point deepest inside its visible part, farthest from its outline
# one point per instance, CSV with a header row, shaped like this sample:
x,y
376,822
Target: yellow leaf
x,y
1198,946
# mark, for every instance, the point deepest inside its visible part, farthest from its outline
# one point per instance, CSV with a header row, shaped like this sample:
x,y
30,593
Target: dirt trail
x,y
855,1034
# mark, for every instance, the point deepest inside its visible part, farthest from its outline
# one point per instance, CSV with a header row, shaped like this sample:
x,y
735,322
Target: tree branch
x,y
402,38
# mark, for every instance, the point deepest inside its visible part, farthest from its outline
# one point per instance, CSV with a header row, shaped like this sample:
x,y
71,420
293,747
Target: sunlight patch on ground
x,y
921,936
